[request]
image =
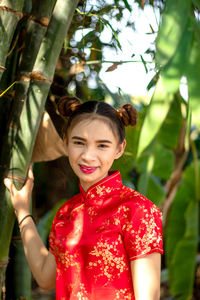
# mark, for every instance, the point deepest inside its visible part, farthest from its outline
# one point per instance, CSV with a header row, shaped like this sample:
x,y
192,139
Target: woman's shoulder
x,y
63,210
135,201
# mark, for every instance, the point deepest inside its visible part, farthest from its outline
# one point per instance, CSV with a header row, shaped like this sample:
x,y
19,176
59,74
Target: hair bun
x,y
67,105
128,115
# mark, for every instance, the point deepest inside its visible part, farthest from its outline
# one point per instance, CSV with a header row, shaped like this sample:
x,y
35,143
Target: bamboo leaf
x,y
153,81
105,22
127,5
144,63
113,31
113,67
174,23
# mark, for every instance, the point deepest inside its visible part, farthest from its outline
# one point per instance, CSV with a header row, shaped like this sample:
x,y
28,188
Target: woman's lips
x,y
87,169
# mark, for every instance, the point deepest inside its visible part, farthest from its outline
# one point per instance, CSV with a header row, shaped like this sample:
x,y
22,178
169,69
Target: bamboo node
x,y
44,21
20,179
37,76
24,77
4,262
19,14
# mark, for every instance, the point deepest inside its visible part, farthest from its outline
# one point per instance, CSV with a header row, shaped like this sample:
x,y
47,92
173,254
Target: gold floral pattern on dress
x,y
95,235
123,294
142,232
68,260
109,259
92,213
82,294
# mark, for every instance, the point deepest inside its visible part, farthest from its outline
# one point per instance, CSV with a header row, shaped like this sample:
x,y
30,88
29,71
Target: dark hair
x,y
72,108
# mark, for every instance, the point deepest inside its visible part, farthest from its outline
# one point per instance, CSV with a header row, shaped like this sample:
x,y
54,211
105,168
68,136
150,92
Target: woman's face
x,y
92,147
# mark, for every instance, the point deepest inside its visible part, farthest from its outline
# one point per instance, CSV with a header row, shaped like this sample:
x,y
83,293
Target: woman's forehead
x,y
100,126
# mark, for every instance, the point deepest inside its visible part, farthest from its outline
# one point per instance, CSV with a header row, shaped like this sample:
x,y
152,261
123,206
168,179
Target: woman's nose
x,y
88,153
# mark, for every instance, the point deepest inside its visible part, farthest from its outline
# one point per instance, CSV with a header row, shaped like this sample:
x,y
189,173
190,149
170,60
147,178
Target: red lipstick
x,y
87,169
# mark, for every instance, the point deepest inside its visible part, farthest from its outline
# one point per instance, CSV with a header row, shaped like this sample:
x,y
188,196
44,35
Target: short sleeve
x,y
142,229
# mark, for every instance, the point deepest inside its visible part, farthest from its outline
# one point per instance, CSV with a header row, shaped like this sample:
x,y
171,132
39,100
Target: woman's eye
x,y
102,146
78,143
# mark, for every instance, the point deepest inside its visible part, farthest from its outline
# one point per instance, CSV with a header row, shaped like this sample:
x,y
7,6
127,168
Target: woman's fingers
x,y
10,186
30,179
30,173
7,183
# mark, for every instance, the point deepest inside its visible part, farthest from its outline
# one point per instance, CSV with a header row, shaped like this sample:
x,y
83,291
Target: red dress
x,y
96,234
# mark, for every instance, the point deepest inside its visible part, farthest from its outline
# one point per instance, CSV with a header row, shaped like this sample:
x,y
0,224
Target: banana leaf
x,y
182,235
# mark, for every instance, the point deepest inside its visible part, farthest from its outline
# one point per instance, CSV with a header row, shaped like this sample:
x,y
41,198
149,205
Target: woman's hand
x,y
21,199
40,260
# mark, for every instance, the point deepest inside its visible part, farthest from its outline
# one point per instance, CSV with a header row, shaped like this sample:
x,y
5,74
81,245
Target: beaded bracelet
x,y
25,218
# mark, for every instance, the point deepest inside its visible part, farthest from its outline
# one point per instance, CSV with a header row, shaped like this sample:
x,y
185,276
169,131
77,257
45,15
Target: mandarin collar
x,y
104,187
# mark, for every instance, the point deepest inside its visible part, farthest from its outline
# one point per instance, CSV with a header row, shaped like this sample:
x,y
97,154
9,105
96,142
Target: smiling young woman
x,y
106,241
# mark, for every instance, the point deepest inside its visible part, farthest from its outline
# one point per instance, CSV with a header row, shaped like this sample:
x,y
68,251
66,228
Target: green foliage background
x,y
162,154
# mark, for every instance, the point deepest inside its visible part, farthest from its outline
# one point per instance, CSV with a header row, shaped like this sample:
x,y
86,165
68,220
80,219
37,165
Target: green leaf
x,y
182,237
193,73
153,81
182,269
156,113
126,162
166,87
163,163
170,130
144,63
44,225
196,3
127,5
173,25
113,31
155,191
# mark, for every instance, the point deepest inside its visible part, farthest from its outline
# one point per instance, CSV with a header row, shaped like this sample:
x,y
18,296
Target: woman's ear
x,y
120,149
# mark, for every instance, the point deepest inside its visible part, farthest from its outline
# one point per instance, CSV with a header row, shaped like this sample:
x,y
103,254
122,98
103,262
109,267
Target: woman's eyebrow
x,y
104,141
78,138
98,141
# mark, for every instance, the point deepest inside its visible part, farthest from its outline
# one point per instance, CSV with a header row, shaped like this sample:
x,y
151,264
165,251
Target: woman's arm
x,y
41,261
146,277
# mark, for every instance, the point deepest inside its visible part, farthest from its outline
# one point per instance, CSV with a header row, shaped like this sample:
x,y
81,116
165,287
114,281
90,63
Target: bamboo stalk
x,y
36,28
18,278
18,275
10,14
41,76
